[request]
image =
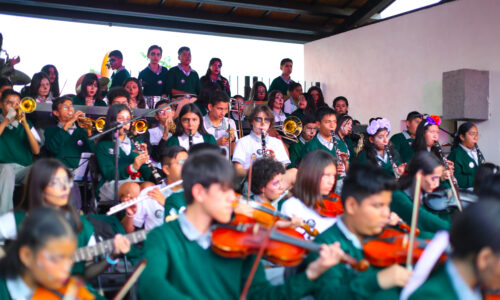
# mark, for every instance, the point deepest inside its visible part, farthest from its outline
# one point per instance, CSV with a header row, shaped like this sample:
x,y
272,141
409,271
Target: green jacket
x,y
176,79
153,84
65,147
118,78
295,151
437,286
386,166
178,268
465,167
4,292
279,84
315,144
403,146
174,203
77,100
15,147
207,138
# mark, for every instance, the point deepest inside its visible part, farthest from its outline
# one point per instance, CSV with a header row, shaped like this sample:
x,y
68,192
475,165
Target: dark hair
x,y
307,185
203,147
113,112
60,100
54,86
364,180
311,106
422,160
340,98
462,130
182,49
116,53
490,188
151,48
38,228
419,144
36,81
169,153
87,80
308,118
284,61
161,102
117,91
292,86
263,170
206,93
271,98
141,102
482,173
369,147
321,98
9,92
205,168
413,115
212,61
4,81
254,90
258,109
323,112
340,120
38,179
190,107
218,96
475,228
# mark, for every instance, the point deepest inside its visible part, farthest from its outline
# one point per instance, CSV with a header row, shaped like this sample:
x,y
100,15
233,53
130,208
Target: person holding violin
x,y
402,203
39,261
181,263
472,271
377,150
366,196
465,155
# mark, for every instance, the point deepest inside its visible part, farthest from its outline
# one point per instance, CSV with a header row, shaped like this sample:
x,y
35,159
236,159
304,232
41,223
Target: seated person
x,y
341,105
317,95
40,88
276,103
89,92
402,141
207,180
134,88
118,95
292,103
309,129
343,134
164,130
306,106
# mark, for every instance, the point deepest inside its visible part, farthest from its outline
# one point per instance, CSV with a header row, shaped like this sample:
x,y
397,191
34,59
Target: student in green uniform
x,y
402,199
136,96
182,79
131,164
181,264
309,130
306,106
40,257
154,76
317,95
473,268
465,155
116,63
341,105
17,145
376,145
66,141
366,196
282,82
89,92
172,161
343,133
402,141
118,95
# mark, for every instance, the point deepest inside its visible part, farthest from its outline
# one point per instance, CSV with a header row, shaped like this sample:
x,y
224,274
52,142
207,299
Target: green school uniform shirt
x,y
4,292
295,151
279,84
315,144
65,147
176,79
153,84
403,145
465,167
207,138
15,147
174,203
118,78
178,268
437,286
77,100
386,166
346,145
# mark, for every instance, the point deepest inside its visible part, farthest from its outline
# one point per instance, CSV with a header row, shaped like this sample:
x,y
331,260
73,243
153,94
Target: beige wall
x,y
395,66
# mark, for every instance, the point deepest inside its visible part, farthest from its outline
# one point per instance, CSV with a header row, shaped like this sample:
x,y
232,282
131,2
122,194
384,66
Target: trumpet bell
x,y
99,124
28,105
292,127
140,126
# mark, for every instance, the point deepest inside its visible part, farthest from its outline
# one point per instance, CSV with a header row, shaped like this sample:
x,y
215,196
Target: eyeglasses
x,y
112,60
58,258
263,120
61,183
164,112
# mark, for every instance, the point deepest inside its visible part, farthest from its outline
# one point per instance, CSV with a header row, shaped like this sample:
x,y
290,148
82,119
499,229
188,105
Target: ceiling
x,y
296,21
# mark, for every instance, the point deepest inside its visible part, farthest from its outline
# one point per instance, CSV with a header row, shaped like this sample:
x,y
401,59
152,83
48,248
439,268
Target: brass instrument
x,y
140,126
291,128
338,154
89,123
392,161
233,102
28,105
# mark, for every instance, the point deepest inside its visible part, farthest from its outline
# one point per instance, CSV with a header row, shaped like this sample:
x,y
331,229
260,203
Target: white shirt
x,y
18,289
294,207
327,144
184,140
290,106
472,153
251,144
219,131
279,118
126,145
155,135
149,211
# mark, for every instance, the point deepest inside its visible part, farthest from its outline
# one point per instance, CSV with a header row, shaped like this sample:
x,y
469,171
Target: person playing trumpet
x,y
217,124
18,143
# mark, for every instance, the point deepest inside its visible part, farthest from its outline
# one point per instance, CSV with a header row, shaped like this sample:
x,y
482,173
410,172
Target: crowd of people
x,y
200,180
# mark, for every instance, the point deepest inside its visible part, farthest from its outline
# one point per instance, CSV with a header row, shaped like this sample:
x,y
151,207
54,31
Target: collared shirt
x,y
184,140
184,71
192,234
15,124
156,72
382,158
126,145
290,106
324,142
301,140
286,80
18,289
149,212
156,134
406,134
119,69
251,145
348,234
472,153
461,288
279,117
219,131
70,130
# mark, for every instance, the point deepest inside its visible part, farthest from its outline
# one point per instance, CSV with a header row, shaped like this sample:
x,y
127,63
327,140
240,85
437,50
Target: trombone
x,y
291,129
89,123
28,105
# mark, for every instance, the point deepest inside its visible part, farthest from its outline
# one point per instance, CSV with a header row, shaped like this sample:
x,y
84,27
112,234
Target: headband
x,y
375,125
432,120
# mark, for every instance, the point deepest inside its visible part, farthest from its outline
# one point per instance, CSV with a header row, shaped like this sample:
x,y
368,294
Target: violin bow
x,y
414,219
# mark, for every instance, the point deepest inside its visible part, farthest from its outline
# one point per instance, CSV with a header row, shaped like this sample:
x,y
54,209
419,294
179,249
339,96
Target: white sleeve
x,y
8,228
140,215
280,152
239,154
36,135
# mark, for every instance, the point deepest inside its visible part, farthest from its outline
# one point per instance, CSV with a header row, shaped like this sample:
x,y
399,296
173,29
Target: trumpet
x,y
291,128
89,123
140,126
28,105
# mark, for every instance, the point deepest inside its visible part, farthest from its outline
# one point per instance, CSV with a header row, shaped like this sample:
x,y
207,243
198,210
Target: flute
x,y
142,196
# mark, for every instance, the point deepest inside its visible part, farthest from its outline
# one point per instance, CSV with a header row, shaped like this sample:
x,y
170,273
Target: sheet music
x,y
82,166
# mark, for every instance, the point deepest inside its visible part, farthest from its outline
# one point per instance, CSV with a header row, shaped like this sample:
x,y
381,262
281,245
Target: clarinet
x,y
453,180
156,176
263,139
391,159
480,156
190,139
337,152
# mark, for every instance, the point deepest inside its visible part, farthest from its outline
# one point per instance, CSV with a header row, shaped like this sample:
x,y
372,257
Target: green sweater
x,y
465,167
341,281
437,286
176,79
428,222
118,78
174,202
207,138
279,84
65,147
4,292
386,166
295,151
346,145
403,146
315,144
153,84
180,269
77,100
15,147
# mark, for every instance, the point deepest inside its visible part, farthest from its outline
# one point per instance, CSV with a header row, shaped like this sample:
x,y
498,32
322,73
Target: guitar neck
x,y
89,252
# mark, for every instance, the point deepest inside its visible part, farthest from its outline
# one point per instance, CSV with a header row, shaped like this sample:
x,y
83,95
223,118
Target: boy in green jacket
x,y
402,141
181,264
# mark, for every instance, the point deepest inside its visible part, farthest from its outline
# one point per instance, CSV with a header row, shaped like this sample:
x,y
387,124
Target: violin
x,y
398,229
329,206
442,199
283,246
491,295
384,252
73,289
